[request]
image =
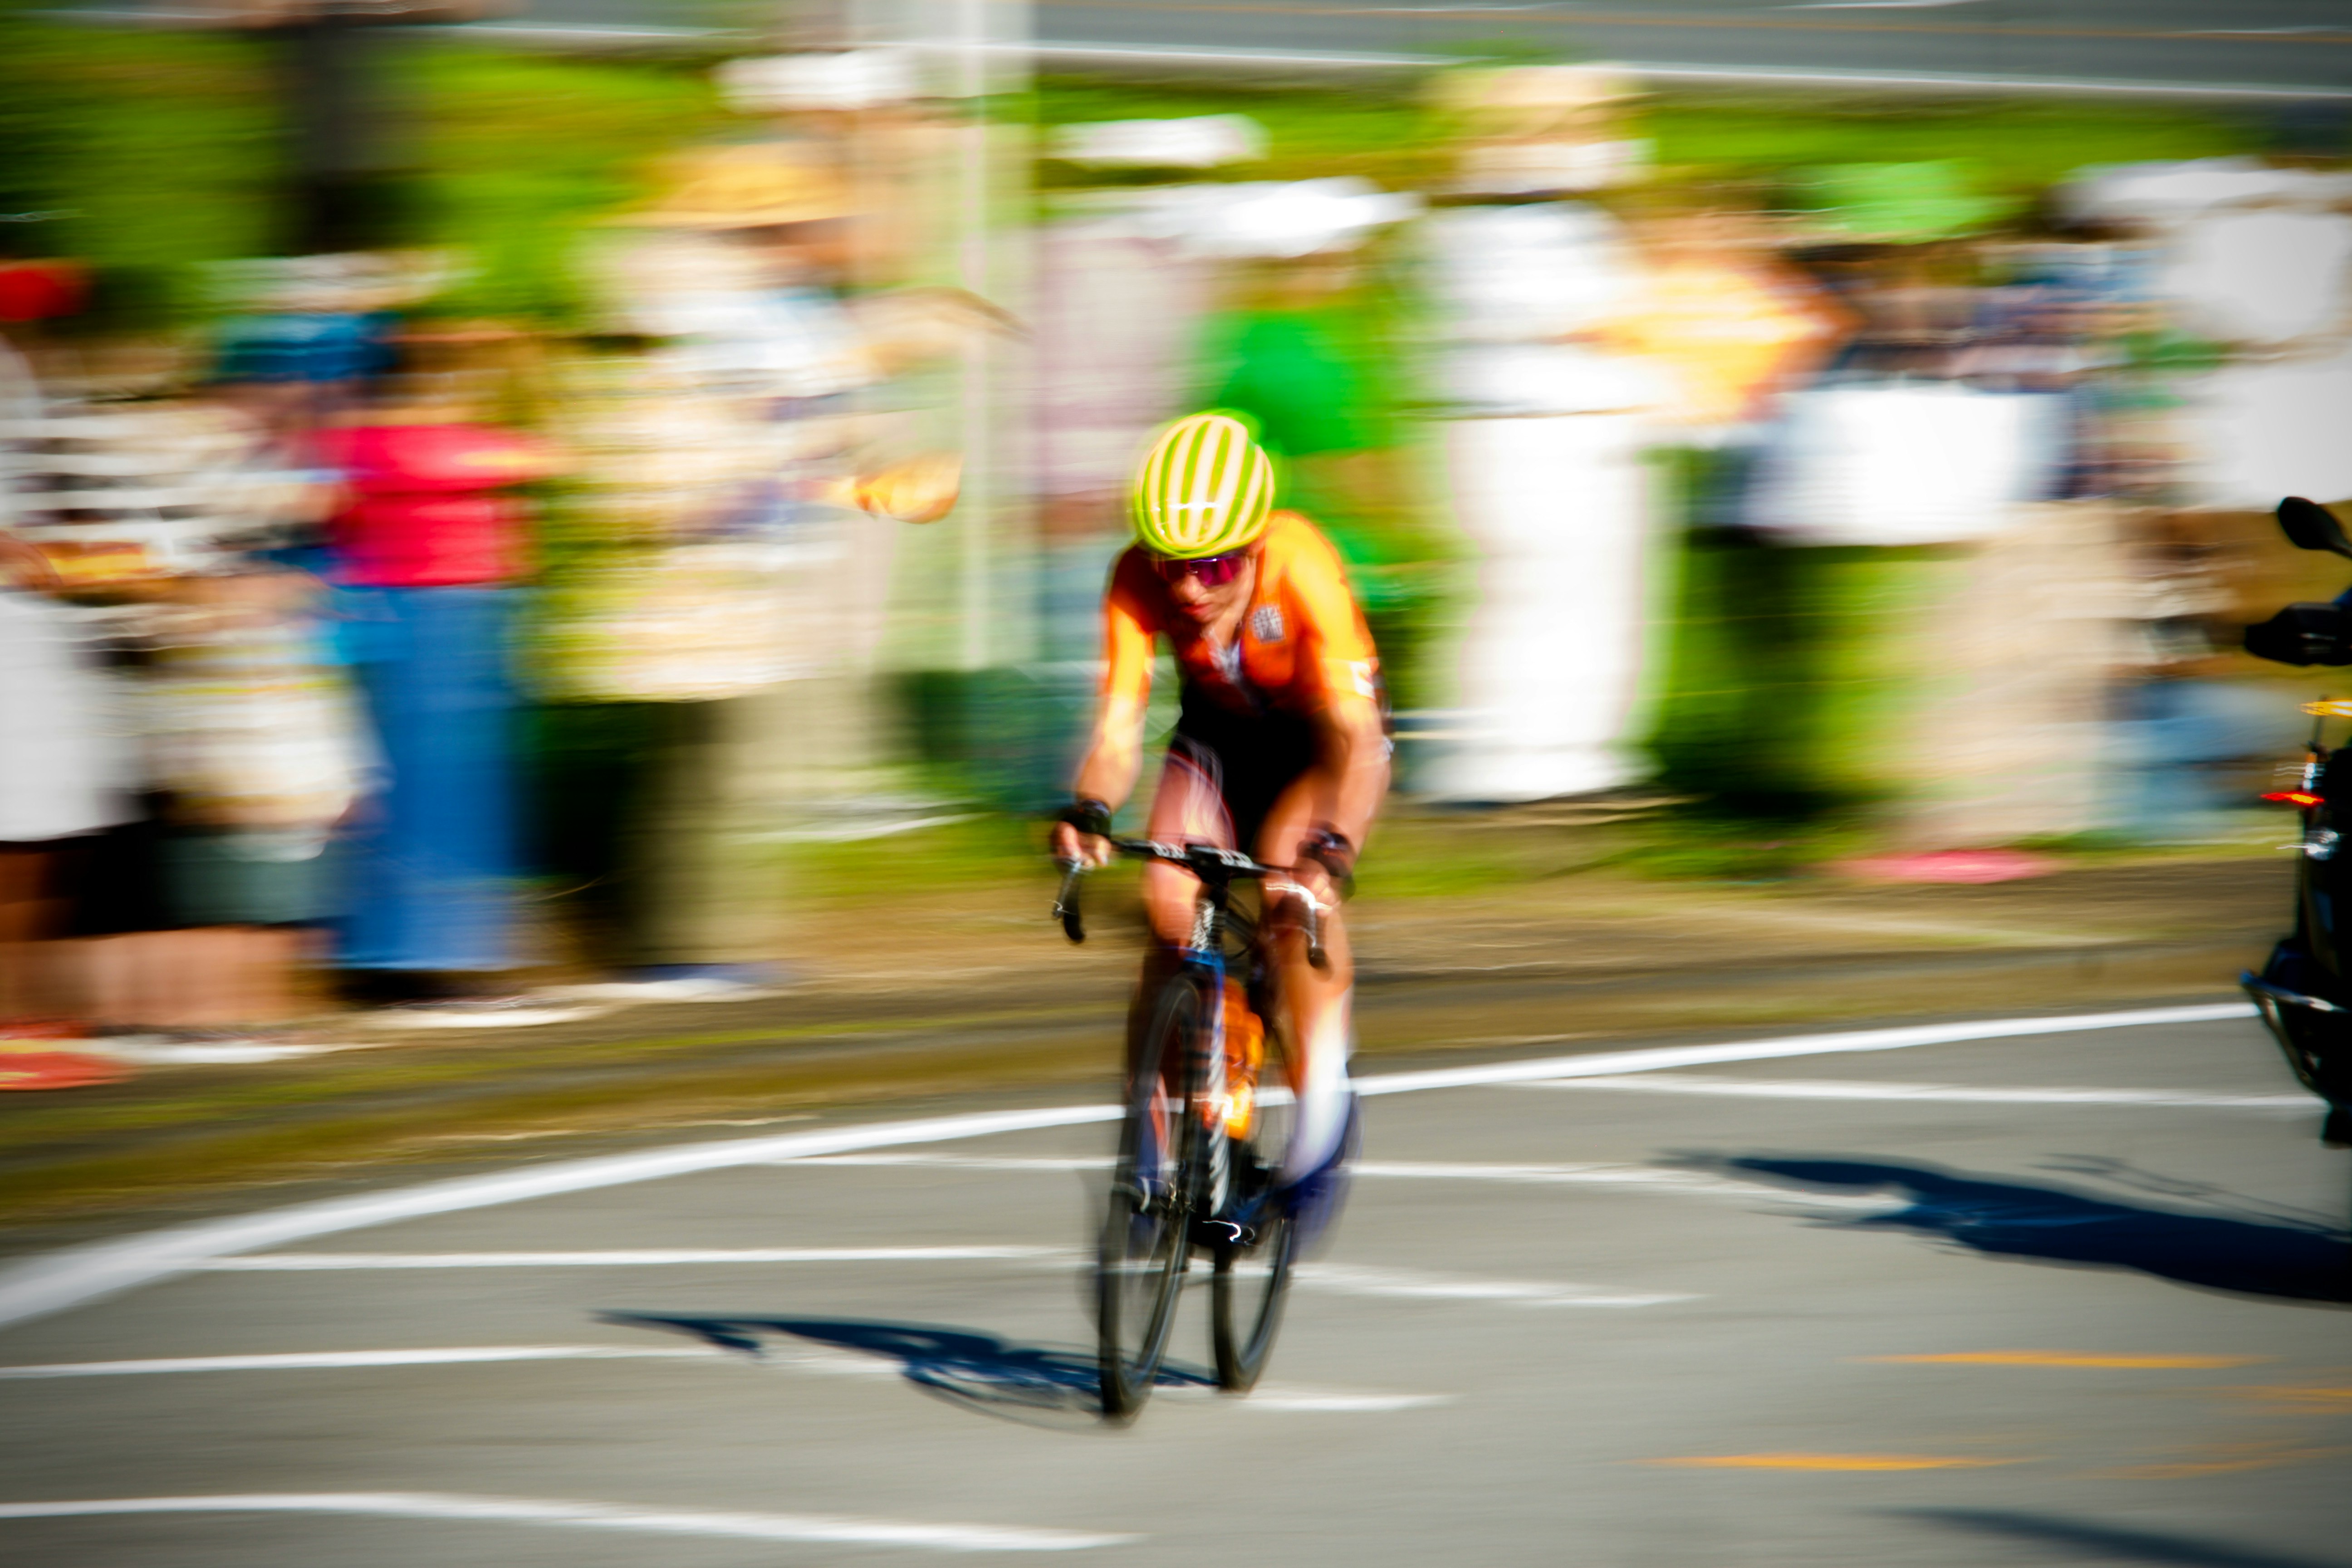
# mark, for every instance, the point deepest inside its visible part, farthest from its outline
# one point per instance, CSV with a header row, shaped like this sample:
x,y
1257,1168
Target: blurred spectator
x,y
33,290
253,754
2255,262
713,625
311,331
64,774
1544,434
218,826
429,549
1732,323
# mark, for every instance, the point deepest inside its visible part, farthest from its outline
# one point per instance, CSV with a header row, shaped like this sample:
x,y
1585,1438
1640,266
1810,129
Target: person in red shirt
x,y
427,549
427,509
1281,747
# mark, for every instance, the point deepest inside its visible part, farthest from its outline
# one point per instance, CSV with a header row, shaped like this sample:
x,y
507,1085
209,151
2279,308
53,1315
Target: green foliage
x,y
521,153
1789,672
984,851
2014,148
1716,845
1381,134
156,150
162,151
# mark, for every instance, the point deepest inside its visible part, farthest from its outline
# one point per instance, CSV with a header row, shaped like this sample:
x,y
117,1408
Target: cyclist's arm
x,y
1356,739
1115,755
1347,669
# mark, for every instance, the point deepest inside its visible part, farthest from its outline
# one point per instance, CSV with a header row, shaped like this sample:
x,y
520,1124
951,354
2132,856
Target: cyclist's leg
x,y
1320,1003
1189,804
1189,807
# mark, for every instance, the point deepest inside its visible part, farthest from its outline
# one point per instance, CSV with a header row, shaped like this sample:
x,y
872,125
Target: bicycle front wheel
x,y
1147,1234
1251,1284
1253,1270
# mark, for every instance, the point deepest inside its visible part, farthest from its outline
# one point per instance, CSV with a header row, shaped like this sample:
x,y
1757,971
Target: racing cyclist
x,y
1280,748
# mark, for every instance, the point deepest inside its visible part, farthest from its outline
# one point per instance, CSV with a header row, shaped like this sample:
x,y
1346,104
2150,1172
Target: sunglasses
x,y
1214,571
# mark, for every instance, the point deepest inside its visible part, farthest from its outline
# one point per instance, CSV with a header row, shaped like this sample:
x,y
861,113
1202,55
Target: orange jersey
x,y
1302,647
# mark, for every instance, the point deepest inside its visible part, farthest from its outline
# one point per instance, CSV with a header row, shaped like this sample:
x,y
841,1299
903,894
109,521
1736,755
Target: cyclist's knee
x,y
1167,898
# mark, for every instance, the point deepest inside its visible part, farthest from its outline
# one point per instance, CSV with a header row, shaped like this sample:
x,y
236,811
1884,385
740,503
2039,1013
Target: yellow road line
x,y
2069,1358
2286,1394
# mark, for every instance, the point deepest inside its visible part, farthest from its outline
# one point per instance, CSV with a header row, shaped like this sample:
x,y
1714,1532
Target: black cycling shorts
x,y
1248,759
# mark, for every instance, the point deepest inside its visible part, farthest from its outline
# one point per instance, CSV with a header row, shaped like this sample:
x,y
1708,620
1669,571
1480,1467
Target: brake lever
x,y
1310,923
1065,902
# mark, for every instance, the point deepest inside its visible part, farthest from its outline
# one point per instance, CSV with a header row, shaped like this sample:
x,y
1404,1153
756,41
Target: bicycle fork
x,y
1207,1069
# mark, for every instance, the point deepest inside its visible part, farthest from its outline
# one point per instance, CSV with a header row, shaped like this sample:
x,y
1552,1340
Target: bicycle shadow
x,y
2274,1257
1038,1385
2106,1542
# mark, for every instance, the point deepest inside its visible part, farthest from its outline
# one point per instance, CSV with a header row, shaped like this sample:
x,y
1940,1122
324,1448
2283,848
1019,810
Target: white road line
x,y
786,1356
87,1273
637,1517
1845,1090
1635,1176
310,1361
1603,1064
960,1161
775,1357
1341,1404
1347,1279
1291,1398
306,1262
1597,1176
76,1275
1343,1280
1581,1175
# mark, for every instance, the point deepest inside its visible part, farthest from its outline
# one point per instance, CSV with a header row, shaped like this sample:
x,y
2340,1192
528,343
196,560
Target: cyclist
x,y
1280,750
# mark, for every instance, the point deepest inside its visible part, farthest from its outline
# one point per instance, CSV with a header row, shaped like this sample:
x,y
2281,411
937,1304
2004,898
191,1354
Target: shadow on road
x,y
1035,1385
2106,1543
2279,1258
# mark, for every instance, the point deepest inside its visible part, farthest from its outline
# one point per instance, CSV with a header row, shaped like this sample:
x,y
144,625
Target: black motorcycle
x,y
2303,993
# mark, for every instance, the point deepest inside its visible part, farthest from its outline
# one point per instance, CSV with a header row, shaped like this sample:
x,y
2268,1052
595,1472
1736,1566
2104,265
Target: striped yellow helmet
x,y
1204,488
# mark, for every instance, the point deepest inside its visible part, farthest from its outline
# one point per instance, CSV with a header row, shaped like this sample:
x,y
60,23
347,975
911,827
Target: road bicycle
x,y
1201,1140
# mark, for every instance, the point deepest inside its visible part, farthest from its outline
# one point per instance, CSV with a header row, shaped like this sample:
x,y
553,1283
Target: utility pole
x,y
340,127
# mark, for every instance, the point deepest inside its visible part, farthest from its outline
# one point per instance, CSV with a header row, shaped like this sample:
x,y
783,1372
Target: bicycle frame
x,y
1179,1124
1205,957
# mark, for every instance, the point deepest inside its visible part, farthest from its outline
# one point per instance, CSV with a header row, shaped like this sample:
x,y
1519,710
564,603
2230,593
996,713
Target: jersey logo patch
x,y
1266,623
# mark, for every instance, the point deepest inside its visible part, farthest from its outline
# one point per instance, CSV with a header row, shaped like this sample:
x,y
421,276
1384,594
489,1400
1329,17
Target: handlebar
x,y
1221,866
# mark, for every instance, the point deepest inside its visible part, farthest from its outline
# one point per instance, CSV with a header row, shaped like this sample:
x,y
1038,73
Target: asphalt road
x,y
2292,45
2048,1297
2278,43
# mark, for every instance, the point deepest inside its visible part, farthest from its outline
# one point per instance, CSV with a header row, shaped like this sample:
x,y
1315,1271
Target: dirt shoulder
x,y
966,986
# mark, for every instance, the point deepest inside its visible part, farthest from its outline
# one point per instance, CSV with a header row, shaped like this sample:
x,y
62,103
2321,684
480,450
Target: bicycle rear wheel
x,y
1146,1235
1252,1276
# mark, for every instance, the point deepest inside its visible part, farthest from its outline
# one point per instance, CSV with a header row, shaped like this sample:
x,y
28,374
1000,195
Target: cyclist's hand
x,y
1329,857
1316,881
1069,844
